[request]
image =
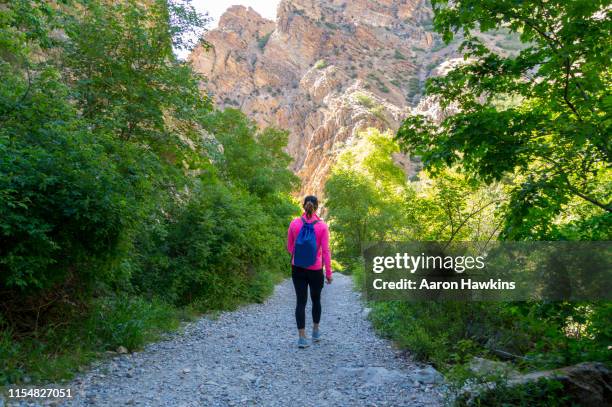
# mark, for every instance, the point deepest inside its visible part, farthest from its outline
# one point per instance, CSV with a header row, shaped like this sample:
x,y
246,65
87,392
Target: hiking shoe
x,y
316,335
303,343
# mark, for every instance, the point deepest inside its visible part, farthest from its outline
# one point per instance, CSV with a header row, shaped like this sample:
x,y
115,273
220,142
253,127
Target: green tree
x,y
65,207
365,194
370,200
552,139
252,159
450,208
123,193
126,78
218,241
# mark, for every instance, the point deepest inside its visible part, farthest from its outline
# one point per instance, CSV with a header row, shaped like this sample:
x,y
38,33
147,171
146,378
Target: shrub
x,y
364,100
123,321
116,201
414,86
263,41
379,83
320,64
540,393
66,207
57,351
379,112
209,248
10,368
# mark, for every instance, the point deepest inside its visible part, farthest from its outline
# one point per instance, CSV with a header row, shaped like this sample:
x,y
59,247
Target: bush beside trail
x,y
127,201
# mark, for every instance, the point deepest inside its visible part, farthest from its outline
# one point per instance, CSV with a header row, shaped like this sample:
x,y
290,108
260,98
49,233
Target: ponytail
x,y
310,205
309,208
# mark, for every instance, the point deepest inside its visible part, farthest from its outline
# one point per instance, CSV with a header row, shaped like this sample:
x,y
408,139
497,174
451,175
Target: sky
x,y
214,8
267,8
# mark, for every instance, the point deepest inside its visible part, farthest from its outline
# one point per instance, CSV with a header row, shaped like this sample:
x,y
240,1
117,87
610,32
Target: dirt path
x,y
249,357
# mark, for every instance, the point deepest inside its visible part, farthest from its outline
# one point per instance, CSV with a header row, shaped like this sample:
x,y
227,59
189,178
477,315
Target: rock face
x,y
324,70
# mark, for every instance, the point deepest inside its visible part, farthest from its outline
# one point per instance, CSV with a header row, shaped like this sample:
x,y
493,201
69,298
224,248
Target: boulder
x,y
588,383
487,367
379,376
428,375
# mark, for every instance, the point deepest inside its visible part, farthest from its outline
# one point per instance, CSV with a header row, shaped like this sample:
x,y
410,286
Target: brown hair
x,y
311,203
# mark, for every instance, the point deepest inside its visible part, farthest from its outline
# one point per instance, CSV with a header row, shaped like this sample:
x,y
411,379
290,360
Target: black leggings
x,y
302,278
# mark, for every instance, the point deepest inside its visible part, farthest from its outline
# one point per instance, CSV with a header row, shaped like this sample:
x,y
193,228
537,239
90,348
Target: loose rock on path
x,y
249,357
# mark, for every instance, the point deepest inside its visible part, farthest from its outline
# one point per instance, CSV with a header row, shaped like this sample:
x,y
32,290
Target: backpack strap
x,y
313,223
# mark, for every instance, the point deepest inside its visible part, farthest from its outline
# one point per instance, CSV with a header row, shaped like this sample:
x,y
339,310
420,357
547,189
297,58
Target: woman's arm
x,y
326,253
290,239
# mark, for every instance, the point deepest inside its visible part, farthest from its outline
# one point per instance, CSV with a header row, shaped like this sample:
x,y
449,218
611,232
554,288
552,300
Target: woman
x,y
308,243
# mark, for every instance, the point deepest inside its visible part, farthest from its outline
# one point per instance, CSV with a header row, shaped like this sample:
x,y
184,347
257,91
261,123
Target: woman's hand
x,y
329,279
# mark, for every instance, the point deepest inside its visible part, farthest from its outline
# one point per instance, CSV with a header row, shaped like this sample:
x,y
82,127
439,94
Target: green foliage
x,y
61,349
379,113
414,86
129,322
356,267
398,55
10,370
434,332
123,194
212,250
126,77
379,83
367,190
361,206
65,204
540,393
450,334
365,100
261,42
256,162
370,199
320,64
221,244
554,141
535,124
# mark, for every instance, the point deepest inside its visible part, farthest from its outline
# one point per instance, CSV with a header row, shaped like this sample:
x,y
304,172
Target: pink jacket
x,y
322,236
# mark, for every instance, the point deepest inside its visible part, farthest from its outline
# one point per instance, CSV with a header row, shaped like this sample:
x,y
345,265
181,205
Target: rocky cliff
x,y
324,70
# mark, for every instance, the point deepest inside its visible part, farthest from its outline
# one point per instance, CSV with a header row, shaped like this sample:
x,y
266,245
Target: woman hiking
x,y
308,243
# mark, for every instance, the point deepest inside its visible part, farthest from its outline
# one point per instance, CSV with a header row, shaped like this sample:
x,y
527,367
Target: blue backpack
x,y
305,252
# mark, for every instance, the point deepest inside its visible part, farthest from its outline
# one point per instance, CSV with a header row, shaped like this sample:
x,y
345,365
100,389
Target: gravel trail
x,y
249,357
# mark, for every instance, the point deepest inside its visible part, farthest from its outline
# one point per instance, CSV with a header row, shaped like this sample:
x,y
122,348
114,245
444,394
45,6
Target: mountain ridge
x,y
324,70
